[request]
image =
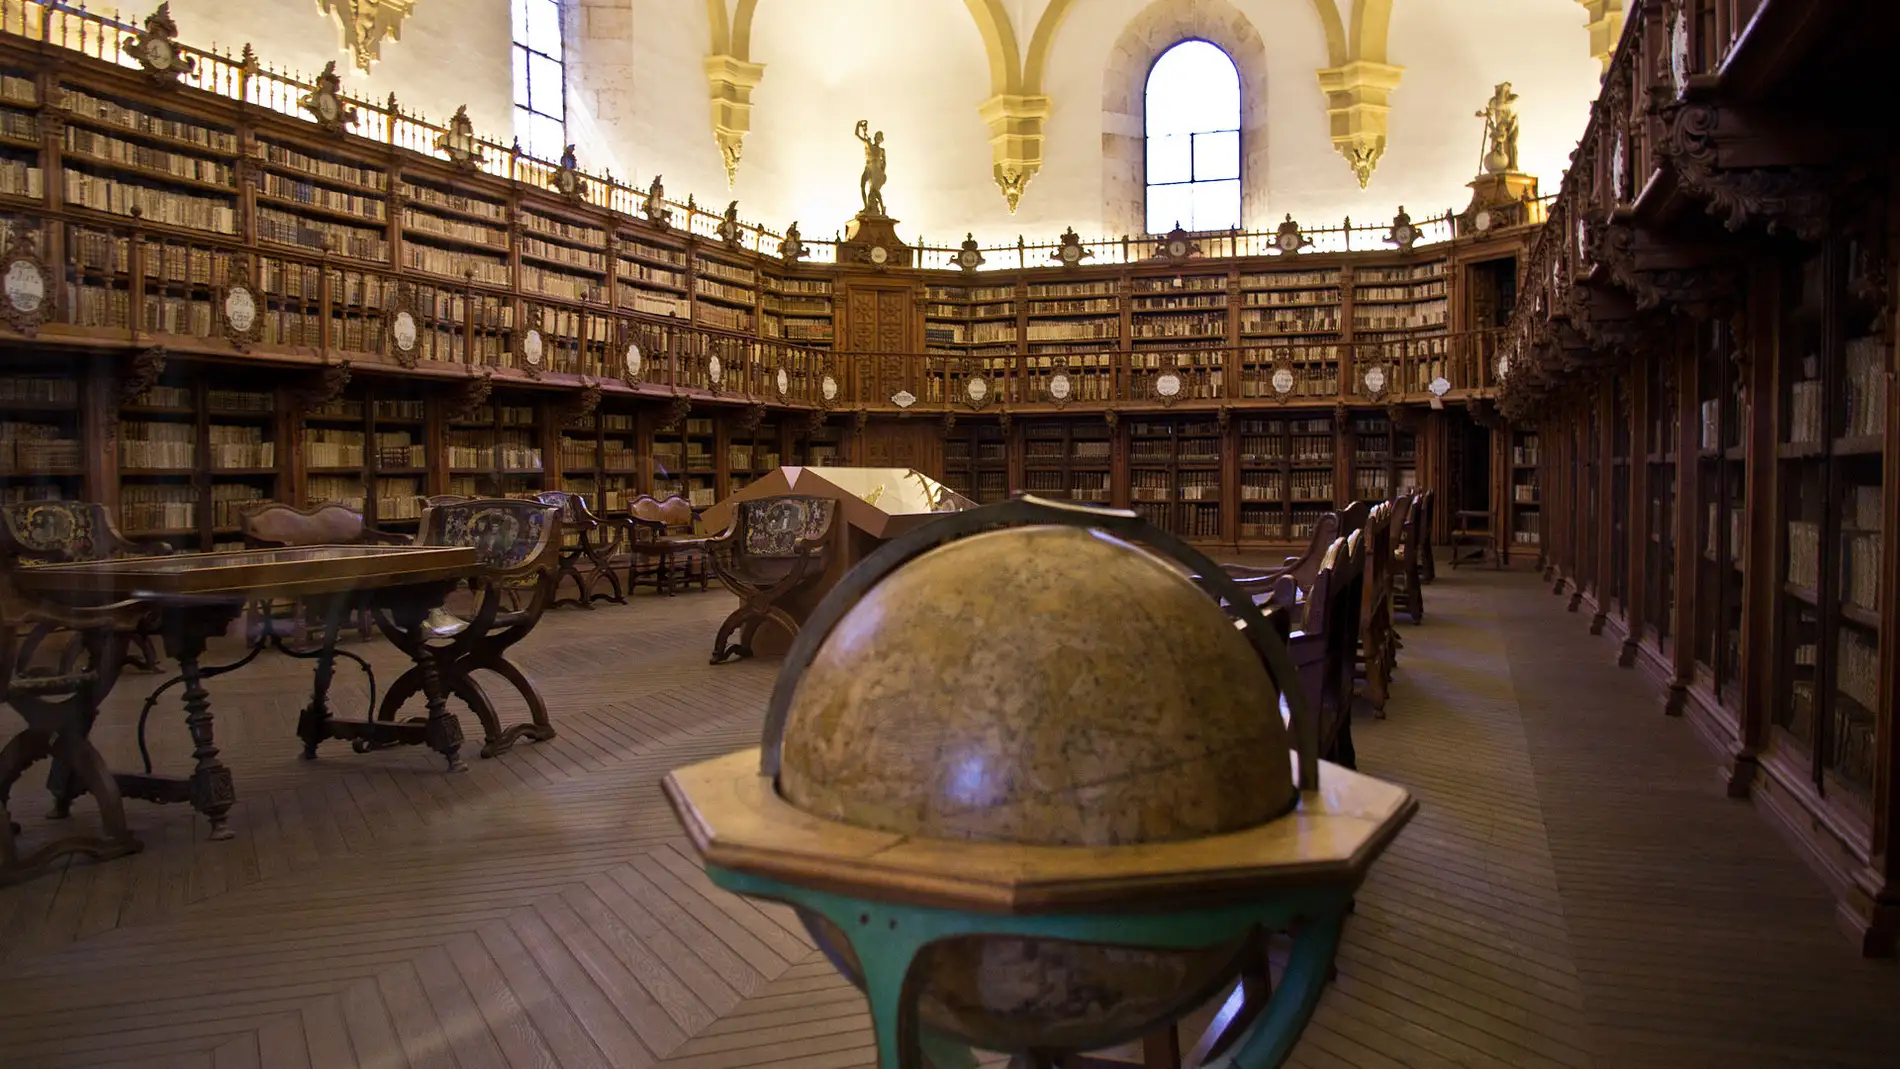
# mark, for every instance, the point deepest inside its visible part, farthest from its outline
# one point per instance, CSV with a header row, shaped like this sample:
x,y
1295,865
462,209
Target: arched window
x,y
1192,116
540,79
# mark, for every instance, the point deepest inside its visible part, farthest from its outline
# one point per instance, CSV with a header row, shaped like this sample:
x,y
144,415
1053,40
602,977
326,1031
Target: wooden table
x,y
198,596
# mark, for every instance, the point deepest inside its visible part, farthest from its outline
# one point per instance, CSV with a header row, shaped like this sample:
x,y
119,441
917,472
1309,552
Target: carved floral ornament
x,y
365,23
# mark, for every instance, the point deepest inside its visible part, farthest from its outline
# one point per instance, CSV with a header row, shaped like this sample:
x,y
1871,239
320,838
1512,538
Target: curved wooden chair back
x,y
1302,566
647,510
277,524
677,513
1353,517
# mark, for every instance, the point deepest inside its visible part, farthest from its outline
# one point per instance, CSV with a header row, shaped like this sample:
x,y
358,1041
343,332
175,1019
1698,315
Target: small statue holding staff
x,y
871,183
1500,131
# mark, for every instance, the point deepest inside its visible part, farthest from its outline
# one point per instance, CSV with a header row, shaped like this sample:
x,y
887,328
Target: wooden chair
x,y
1302,567
1321,644
65,532
58,696
1426,506
774,547
664,552
1375,607
1408,590
517,545
330,524
586,530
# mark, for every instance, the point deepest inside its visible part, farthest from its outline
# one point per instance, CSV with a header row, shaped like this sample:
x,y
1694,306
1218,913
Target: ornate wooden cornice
x,y
326,385
1783,199
582,406
141,373
473,395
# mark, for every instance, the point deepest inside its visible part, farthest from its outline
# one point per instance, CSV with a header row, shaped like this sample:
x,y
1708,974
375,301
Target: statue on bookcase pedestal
x,y
1501,193
871,238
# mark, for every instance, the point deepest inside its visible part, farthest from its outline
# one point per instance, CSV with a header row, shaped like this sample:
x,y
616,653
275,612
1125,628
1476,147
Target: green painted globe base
x,y
886,939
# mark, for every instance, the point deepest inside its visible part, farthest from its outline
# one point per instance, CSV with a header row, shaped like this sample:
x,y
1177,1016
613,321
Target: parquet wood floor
x,y
1575,891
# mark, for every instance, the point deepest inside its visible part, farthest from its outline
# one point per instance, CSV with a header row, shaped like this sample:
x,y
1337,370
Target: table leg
x,y
444,729
403,615
313,723
212,791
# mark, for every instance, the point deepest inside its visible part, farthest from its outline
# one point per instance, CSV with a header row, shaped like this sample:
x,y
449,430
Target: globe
x,y
1047,685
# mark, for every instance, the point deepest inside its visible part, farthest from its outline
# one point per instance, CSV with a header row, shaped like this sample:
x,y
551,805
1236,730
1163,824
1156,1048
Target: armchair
x,y
663,550
587,531
517,545
65,532
775,546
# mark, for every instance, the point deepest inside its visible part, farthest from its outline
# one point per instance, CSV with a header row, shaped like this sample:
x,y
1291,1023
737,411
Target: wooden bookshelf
x,y
1523,505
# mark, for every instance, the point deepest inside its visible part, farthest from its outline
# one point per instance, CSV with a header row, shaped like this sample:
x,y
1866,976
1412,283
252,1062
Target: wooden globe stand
x,y
892,895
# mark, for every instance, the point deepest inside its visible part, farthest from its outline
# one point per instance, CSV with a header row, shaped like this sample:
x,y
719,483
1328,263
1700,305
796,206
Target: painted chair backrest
x,y
775,525
574,510
57,531
508,534
277,524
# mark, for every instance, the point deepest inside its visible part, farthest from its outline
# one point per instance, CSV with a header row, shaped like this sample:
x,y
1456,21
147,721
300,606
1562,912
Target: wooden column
x,y
1604,493
1758,343
1636,532
1688,501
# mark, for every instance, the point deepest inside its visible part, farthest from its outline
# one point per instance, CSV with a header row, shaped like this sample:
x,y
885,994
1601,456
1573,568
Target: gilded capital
x,y
1606,28
1015,123
1356,104
365,23
730,81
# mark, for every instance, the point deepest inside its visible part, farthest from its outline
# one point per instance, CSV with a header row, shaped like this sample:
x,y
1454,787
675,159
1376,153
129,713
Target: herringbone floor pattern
x,y
1575,892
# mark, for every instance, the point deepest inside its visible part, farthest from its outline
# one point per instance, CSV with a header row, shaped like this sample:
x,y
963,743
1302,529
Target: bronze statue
x,y
871,183
1500,131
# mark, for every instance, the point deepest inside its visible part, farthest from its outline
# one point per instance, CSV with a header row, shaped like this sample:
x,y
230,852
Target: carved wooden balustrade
x,y
1680,148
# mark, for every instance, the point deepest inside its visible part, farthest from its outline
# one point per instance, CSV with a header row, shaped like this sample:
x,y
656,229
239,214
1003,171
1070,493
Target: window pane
x,y
549,138
521,77
1168,205
1216,205
1216,156
544,79
518,11
544,27
1168,158
1191,88
524,127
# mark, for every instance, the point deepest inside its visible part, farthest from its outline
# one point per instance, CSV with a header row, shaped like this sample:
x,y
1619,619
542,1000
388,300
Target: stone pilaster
x,y
1356,102
1015,123
731,81
1606,28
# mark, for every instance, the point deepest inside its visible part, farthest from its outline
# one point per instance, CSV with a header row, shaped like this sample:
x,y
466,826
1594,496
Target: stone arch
x,y
1152,31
